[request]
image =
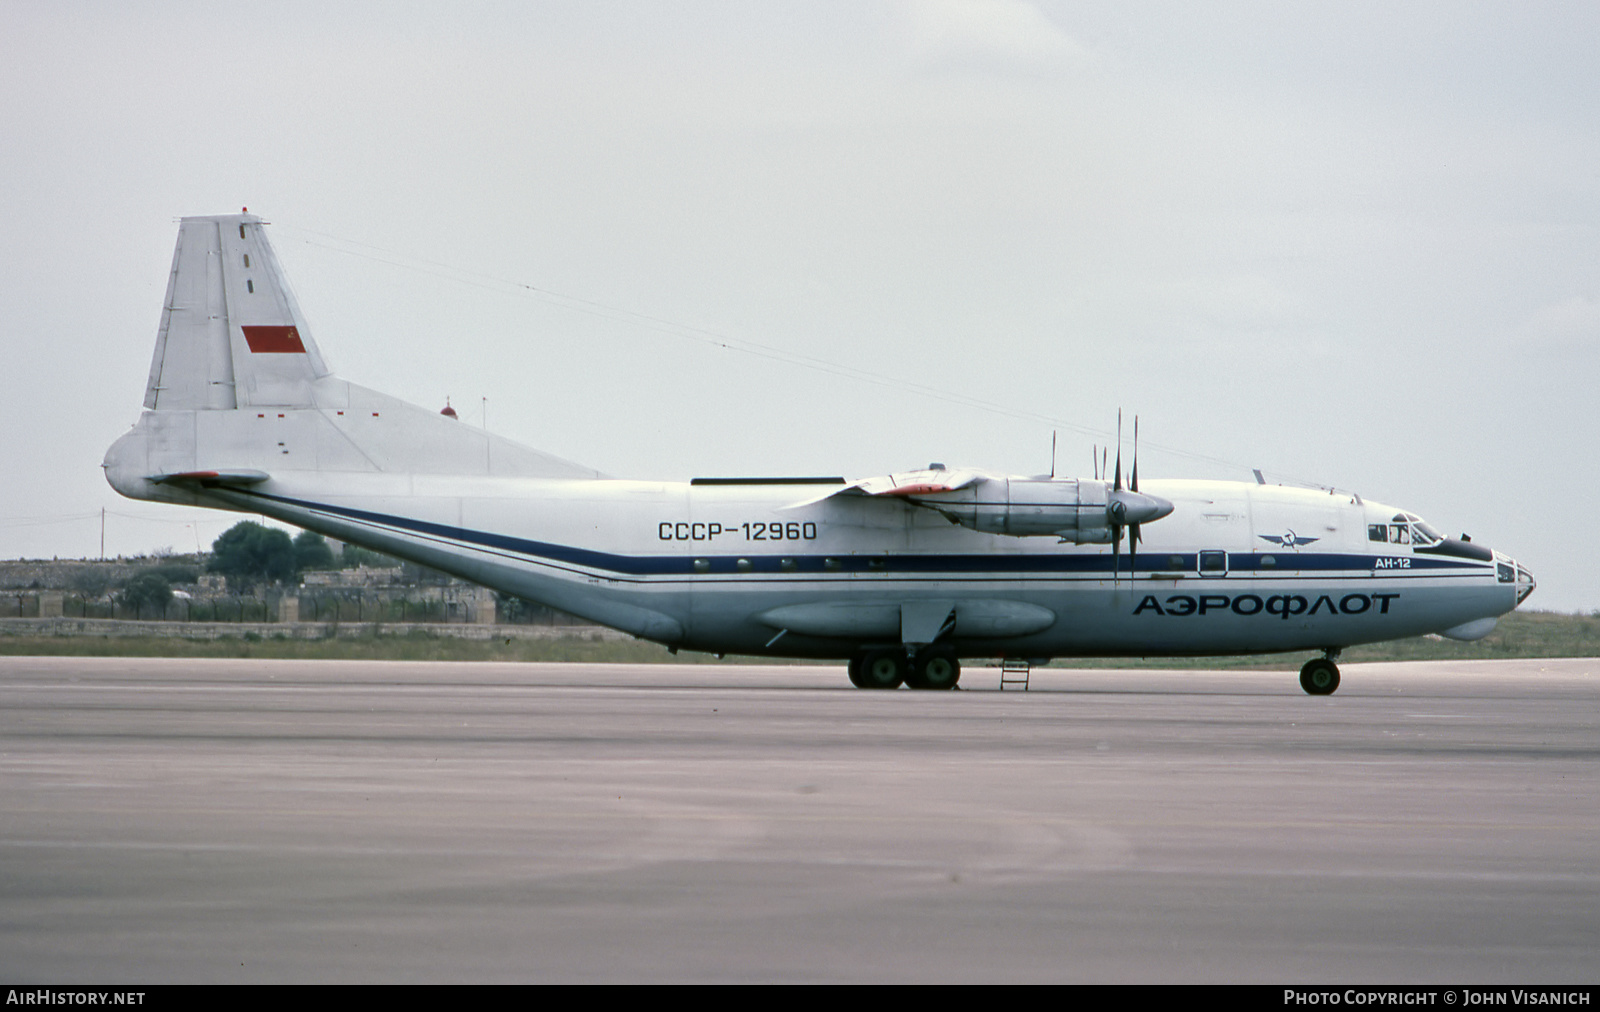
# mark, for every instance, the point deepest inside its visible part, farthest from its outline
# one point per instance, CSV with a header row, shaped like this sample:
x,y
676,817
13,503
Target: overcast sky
x,y
1353,244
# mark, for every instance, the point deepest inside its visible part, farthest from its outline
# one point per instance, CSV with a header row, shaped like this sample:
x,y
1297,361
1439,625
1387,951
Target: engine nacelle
x,y
1068,508
1072,509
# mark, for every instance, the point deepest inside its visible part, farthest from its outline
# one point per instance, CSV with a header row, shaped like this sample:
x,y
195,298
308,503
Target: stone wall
x,y
105,627
24,585
47,574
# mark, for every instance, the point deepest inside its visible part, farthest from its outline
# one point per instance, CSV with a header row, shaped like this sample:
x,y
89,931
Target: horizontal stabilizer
x,y
238,476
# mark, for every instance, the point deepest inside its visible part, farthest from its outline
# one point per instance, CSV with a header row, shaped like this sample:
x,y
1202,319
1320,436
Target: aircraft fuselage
x,y
903,573
728,567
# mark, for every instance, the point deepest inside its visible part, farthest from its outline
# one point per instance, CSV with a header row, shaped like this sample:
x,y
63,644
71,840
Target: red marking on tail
x,y
273,340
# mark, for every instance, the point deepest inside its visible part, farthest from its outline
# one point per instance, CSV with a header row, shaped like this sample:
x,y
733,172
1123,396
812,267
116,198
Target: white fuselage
x,y
728,567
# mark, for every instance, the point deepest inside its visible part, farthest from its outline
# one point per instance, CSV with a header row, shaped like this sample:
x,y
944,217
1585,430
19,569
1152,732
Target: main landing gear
x,y
928,668
1320,676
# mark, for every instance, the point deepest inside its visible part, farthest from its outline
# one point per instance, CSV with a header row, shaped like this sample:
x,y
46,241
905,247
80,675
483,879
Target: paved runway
x,y
168,821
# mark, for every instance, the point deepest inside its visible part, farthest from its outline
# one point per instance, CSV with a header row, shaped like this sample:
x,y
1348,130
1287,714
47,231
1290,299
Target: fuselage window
x,y
1213,562
1378,532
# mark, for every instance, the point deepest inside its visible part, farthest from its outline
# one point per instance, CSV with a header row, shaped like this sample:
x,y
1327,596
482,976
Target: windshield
x,y
1404,529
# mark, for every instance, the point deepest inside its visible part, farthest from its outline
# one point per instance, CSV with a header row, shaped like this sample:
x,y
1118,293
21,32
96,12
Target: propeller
x,y
1130,508
1117,510
1133,486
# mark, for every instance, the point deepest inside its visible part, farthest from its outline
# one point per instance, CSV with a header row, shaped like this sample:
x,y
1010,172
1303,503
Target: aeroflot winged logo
x,y
1288,539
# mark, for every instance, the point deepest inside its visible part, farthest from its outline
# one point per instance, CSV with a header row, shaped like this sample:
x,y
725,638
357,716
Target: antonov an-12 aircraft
x,y
901,574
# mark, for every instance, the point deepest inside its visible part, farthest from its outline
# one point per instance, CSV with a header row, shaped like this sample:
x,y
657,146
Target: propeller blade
x,y
1116,552
1133,481
1118,485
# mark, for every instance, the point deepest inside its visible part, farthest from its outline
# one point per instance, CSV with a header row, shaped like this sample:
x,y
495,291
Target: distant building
x,y
361,576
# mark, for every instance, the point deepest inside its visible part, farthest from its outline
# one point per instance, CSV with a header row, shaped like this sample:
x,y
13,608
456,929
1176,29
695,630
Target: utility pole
x,y
102,534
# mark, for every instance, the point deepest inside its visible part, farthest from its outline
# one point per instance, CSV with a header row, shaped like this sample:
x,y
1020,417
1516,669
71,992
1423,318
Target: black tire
x,y
883,669
1319,677
935,669
914,676
855,673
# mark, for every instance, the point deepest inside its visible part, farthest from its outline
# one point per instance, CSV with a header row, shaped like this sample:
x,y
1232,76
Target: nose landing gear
x,y
1320,676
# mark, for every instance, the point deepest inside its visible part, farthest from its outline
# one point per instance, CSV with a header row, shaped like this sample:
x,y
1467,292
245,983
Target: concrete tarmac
x,y
171,821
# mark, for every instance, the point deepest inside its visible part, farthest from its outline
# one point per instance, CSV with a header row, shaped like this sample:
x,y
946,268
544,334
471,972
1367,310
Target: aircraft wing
x,y
901,484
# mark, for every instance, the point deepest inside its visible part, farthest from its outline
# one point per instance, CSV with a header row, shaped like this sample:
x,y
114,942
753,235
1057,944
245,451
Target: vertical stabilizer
x,y
239,392
231,334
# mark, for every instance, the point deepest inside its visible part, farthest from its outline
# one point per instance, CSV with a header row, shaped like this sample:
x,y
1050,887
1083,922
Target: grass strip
x,y
1518,635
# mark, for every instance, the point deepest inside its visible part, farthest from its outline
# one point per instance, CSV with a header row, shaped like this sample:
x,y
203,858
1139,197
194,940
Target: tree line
x,y
250,554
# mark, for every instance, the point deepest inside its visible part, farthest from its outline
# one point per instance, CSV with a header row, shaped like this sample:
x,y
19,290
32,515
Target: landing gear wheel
x,y
913,675
1319,677
882,669
855,673
935,669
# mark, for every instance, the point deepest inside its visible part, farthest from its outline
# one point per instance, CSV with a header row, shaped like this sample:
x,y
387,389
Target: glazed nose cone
x,y
1525,582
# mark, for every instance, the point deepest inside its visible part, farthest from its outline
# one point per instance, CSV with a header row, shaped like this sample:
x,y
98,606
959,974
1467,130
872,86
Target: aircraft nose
x,y
1522,576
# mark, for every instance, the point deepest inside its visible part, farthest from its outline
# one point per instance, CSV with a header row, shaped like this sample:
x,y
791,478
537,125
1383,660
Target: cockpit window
x,y
1405,529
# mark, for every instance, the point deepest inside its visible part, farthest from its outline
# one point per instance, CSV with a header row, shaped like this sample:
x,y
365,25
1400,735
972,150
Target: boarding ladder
x,y
1014,671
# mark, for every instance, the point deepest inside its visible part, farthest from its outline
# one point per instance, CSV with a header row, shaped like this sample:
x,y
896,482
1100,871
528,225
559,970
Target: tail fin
x,y
239,393
231,334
